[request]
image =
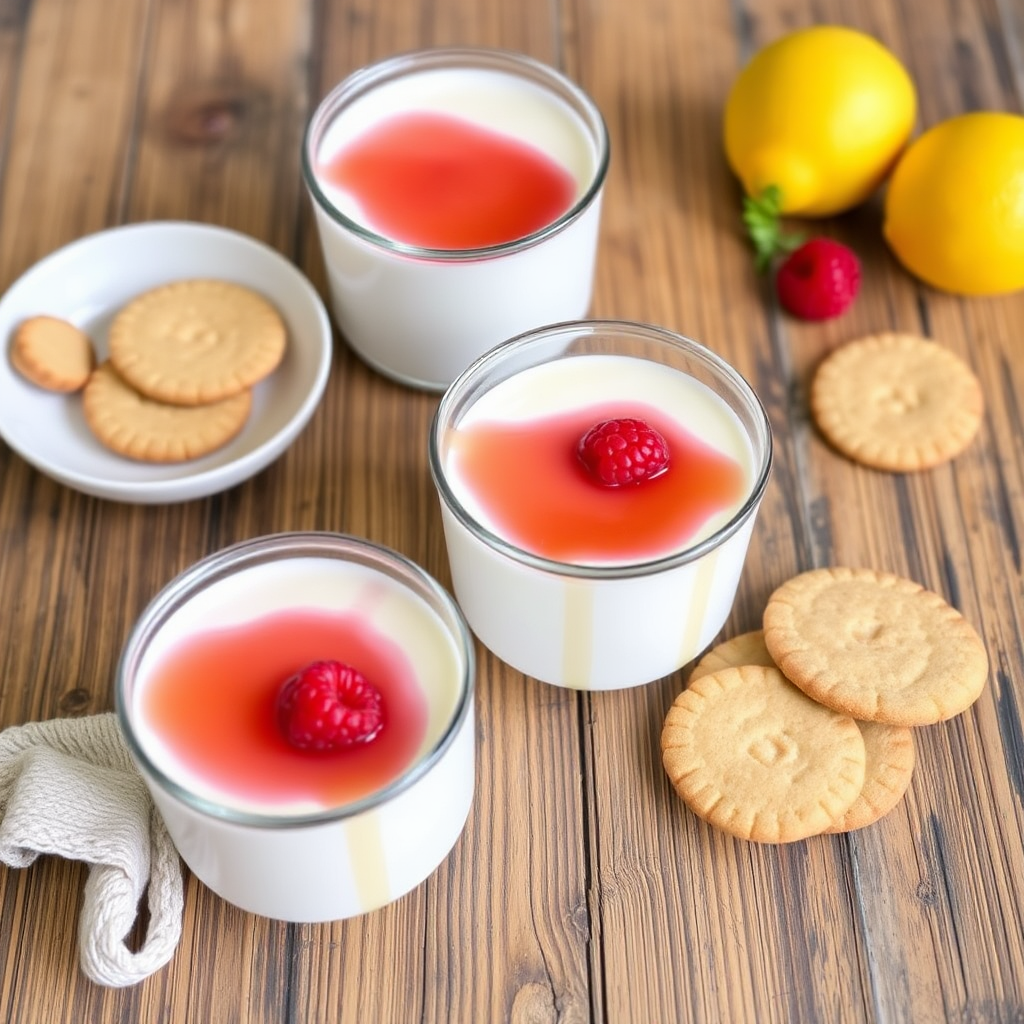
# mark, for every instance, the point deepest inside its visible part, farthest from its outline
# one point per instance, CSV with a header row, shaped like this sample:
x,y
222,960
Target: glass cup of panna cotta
x,y
457,195
301,709
598,483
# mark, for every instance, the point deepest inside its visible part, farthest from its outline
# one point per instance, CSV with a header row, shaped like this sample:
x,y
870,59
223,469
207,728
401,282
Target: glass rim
x,y
364,79
442,420
245,554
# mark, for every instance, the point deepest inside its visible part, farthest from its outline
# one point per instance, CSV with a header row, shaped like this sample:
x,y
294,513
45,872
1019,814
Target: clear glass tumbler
x,y
421,315
293,860
614,623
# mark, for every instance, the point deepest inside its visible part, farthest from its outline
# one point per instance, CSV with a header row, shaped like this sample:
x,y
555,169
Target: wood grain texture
x,y
582,890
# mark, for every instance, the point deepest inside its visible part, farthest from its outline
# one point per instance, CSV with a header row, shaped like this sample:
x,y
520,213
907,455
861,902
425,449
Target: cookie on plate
x,y
896,402
743,649
138,427
888,767
196,341
754,756
875,646
52,353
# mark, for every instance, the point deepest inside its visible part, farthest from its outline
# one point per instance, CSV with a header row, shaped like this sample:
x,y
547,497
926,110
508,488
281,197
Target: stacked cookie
x,y
183,359
805,727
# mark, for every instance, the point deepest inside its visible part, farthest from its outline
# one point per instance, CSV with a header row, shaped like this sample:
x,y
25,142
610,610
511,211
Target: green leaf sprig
x,y
762,215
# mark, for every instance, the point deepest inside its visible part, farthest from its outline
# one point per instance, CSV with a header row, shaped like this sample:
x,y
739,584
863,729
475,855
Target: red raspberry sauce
x,y
212,700
440,182
533,487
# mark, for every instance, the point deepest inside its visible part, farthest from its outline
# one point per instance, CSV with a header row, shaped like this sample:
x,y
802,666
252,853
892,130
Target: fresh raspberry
x,y
329,706
624,451
818,280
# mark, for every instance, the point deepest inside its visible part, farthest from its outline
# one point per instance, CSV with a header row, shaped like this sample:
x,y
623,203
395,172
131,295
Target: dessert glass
x,y
421,315
302,863
603,626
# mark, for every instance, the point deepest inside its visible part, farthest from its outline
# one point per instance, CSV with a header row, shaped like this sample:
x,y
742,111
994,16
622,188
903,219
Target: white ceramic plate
x,y
87,282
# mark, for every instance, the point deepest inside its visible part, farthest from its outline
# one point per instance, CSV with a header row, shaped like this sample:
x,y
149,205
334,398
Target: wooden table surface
x,y
581,890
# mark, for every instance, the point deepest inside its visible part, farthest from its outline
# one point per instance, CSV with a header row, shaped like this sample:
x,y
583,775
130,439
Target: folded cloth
x,y
68,787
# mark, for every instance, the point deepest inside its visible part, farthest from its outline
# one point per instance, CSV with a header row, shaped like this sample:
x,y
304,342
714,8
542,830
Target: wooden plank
x,y
74,103
222,118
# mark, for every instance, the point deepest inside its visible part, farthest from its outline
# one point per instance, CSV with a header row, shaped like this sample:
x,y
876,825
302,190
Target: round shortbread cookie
x,y
888,767
195,342
744,649
875,646
133,425
896,402
52,353
752,755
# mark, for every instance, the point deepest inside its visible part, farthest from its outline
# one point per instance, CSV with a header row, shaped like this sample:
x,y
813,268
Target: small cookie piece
x,y
888,767
133,425
744,649
896,402
195,342
875,646
52,353
752,755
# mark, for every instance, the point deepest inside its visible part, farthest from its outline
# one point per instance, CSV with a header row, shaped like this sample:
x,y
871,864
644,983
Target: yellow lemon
x,y
820,115
954,210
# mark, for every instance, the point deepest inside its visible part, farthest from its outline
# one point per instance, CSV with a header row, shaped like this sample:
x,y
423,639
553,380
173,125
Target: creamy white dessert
x,y
611,383
324,585
494,100
422,315
304,860
604,623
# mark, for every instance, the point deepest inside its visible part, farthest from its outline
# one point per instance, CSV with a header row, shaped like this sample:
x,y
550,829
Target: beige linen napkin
x,y
68,787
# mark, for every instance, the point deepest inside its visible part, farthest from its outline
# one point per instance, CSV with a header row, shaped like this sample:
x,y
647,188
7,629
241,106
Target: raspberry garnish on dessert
x,y
623,451
329,706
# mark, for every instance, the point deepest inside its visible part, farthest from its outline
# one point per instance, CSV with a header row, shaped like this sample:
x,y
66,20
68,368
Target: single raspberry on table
x,y
329,706
818,280
623,451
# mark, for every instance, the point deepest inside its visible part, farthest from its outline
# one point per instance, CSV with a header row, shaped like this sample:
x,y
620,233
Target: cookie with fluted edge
x,y
742,649
889,749
755,757
896,402
52,353
196,341
875,646
138,427
889,760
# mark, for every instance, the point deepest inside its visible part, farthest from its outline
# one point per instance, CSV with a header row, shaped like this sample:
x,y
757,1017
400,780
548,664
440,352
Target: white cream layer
x,y
495,100
323,585
566,384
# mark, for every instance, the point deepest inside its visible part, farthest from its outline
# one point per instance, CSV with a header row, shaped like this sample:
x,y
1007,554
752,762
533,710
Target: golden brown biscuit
x,y
744,649
133,425
896,402
888,767
195,342
875,646
752,755
52,353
